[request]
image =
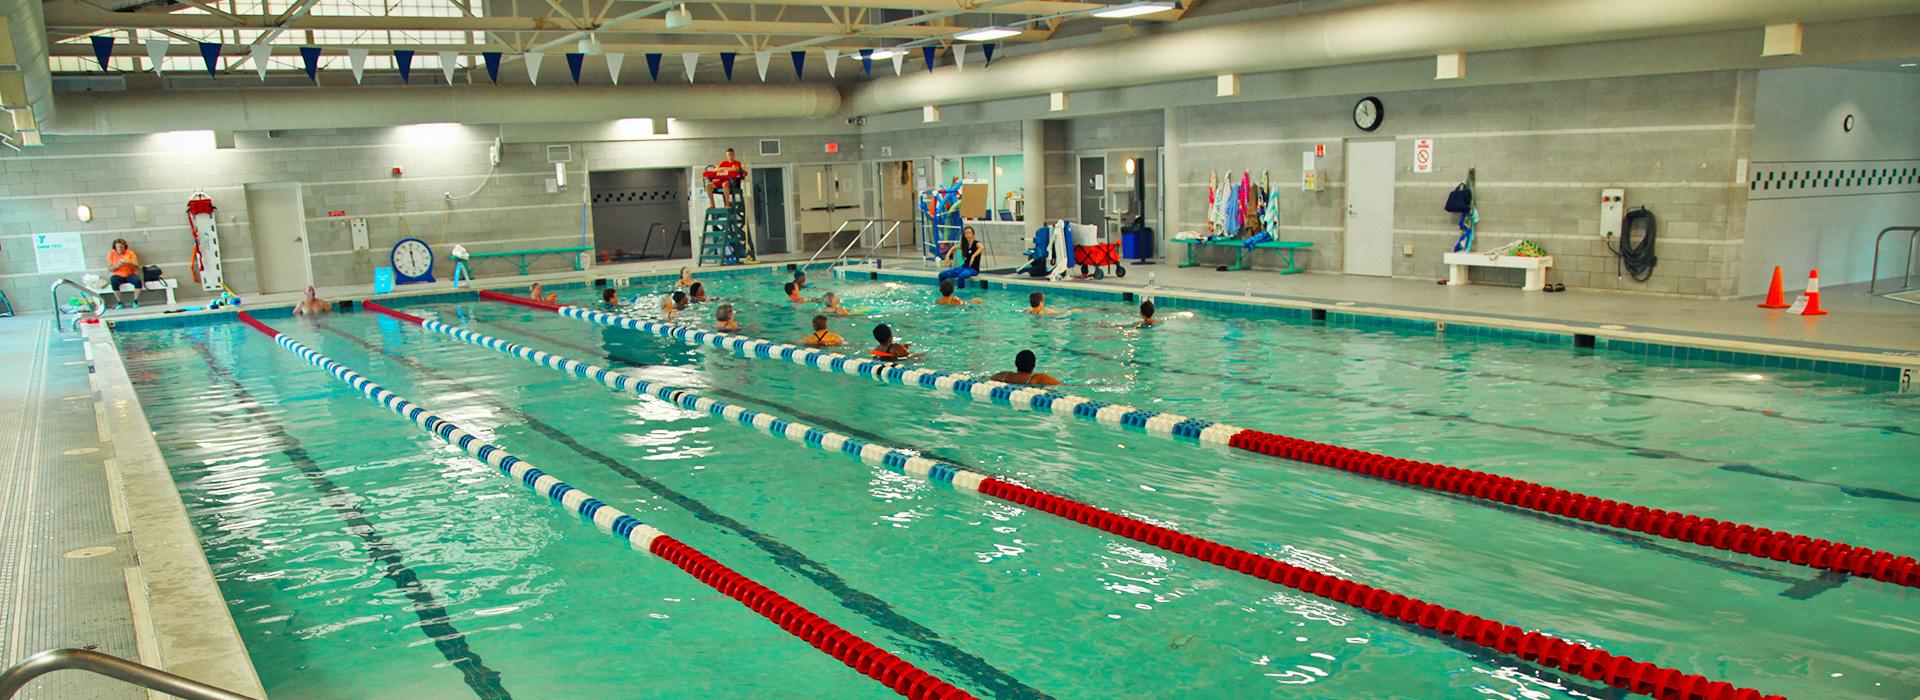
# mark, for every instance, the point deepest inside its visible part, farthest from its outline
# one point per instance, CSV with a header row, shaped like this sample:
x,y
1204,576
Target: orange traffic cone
x,y
1809,302
1776,296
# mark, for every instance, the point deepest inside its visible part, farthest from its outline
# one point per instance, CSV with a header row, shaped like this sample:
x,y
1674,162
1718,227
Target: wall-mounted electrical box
x,y
358,227
1613,212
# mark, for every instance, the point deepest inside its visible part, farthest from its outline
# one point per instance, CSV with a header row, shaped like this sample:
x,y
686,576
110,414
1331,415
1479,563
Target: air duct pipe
x,y
1386,31
29,34
145,111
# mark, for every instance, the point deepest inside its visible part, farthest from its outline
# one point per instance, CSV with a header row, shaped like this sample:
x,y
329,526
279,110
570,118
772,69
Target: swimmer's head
x,y
680,299
1035,299
610,296
724,313
789,287
800,276
830,299
946,288
697,289
819,322
1146,309
1025,362
883,333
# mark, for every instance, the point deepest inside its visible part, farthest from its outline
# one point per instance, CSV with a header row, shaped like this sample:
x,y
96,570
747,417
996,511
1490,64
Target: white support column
x,y
1033,155
1169,182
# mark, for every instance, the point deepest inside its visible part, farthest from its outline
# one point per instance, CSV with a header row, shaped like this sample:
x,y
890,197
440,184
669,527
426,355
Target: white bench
x,y
164,284
1458,263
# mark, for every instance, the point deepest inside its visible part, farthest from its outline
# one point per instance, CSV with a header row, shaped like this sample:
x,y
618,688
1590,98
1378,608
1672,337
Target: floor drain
x,y
81,451
88,552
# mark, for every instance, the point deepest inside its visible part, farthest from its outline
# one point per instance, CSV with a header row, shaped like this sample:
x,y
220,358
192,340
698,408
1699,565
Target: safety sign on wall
x,y
58,252
1423,155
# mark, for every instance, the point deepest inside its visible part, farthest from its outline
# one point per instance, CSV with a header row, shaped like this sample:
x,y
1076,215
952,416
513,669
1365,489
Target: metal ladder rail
x,y
110,666
99,303
866,224
1913,236
872,249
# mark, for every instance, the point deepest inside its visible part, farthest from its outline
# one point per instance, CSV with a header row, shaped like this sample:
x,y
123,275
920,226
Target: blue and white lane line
x,y
1017,397
896,460
607,518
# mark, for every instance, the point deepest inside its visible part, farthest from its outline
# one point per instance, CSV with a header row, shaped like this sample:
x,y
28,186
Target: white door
x,y
1369,244
277,216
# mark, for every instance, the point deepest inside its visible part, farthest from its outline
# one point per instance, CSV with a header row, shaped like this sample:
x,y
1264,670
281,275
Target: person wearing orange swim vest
x,y
1023,373
886,348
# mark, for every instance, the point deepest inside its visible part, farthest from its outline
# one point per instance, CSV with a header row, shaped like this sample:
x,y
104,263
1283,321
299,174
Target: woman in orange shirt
x,y
123,267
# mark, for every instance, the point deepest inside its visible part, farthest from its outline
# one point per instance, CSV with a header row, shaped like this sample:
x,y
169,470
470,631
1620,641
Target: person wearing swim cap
x,y
1023,373
723,319
822,337
885,348
948,299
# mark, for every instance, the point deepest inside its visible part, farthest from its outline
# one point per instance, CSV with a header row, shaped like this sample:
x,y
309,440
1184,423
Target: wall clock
x,y
1368,113
412,261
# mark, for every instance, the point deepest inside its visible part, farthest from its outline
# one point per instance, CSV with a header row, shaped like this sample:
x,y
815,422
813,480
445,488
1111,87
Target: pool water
x,y
362,558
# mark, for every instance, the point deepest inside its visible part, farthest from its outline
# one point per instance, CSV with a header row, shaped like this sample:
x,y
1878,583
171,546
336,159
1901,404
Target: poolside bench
x,y
1459,264
164,284
525,257
1240,252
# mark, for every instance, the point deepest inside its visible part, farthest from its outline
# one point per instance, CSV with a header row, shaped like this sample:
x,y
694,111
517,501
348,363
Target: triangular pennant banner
x,y
899,62
403,60
310,57
357,61
833,63
927,53
492,59
988,50
103,49
866,62
761,59
210,52
449,62
726,64
799,65
960,57
533,66
260,54
156,53
691,60
574,60
653,66
614,61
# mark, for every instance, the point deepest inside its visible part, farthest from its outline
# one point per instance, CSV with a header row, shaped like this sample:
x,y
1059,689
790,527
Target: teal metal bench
x,y
1240,252
525,257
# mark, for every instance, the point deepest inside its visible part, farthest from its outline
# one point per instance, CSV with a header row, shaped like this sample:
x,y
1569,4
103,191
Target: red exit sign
x,y
833,148
337,212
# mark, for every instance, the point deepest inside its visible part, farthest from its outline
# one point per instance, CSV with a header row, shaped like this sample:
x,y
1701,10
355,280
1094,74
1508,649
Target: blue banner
x,y
210,52
866,62
799,64
103,49
726,64
403,60
653,66
493,65
310,55
573,65
927,52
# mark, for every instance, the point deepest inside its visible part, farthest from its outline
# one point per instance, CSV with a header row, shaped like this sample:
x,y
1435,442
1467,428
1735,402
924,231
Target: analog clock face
x,y
412,258
1367,114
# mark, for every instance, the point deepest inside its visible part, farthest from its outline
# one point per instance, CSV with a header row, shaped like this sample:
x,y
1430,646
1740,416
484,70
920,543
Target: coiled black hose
x,y
1637,257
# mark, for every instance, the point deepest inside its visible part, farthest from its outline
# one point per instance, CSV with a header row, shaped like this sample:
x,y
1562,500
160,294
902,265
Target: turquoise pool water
x,y
362,558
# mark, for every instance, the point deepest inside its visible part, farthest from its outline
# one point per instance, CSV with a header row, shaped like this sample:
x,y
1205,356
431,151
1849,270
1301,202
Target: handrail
x,y
110,666
836,234
872,248
1913,237
99,303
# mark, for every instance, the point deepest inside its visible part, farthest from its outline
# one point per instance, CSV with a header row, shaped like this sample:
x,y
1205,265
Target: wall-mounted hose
x,y
1637,259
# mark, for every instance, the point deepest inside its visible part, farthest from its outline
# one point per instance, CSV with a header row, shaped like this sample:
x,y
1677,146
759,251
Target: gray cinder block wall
x,y
138,187
1543,151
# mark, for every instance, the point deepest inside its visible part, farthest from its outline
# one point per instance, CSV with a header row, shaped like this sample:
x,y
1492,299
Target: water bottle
x,y
1249,289
1150,283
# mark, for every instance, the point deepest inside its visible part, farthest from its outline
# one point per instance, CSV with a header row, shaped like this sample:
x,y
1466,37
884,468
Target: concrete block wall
x,y
1118,137
1543,152
138,186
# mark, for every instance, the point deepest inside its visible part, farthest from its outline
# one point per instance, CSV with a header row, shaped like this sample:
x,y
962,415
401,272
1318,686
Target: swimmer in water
x,y
723,319
1037,305
793,293
537,293
1146,316
885,348
311,305
1023,373
832,302
666,306
686,278
609,297
679,301
822,338
948,299
697,292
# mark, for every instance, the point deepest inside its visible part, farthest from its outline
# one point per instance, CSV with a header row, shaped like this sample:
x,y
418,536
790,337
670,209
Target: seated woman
x,y
966,258
885,348
311,305
822,337
123,268
723,319
697,292
832,301
1023,373
948,299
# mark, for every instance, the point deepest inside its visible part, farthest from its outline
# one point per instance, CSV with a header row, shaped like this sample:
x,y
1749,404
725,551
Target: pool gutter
x,y
1867,364
192,632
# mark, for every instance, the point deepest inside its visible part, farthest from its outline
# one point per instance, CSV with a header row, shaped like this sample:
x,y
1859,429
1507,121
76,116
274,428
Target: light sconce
x,y
83,212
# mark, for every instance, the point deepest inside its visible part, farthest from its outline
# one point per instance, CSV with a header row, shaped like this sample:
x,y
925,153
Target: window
x,y
1003,175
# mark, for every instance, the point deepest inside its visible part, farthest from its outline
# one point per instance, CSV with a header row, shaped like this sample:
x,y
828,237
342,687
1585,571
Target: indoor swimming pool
x,y
361,557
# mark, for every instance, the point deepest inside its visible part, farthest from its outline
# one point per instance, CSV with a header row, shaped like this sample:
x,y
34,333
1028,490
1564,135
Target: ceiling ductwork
x,y
28,90
1387,31
145,111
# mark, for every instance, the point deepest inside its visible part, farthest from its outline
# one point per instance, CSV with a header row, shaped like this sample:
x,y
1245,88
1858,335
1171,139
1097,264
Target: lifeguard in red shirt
x,y
723,181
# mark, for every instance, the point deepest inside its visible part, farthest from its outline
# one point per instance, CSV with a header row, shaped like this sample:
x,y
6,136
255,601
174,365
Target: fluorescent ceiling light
x,y
1909,65
882,54
987,34
1135,9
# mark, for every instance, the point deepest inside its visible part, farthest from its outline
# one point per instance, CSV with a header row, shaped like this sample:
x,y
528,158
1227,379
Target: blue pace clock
x,y
412,261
